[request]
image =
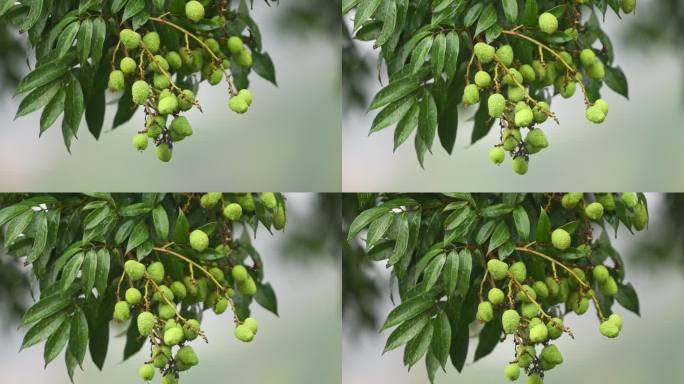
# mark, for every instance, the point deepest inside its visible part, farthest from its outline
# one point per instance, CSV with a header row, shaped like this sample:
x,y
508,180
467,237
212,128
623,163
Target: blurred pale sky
x,y
647,351
288,141
302,346
637,148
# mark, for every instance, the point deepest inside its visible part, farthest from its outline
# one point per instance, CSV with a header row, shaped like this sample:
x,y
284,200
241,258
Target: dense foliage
x,y
158,260
152,53
509,57
508,266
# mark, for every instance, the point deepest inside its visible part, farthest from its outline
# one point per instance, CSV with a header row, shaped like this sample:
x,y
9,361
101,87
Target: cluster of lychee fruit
x,y
168,311
518,90
161,79
532,310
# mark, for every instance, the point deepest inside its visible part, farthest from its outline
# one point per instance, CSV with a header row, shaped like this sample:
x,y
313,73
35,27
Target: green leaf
x,y
263,66
182,228
132,9
89,271
483,123
135,209
450,273
431,365
266,297
43,329
451,54
627,297
70,271
378,228
438,55
531,13
401,244
78,337
485,232
161,222
45,307
348,5
139,235
543,227
427,119
9,213
364,11
73,110
125,108
394,91
40,76
522,222
489,338
38,98
496,210
510,8
441,340
364,219
473,14
417,347
433,271
5,6
499,237
389,17
406,332
392,113
134,342
66,38
118,5
35,10
53,109
17,226
56,342
406,125
97,40
420,54
408,310
465,265
102,273
85,39
486,20
39,237
615,79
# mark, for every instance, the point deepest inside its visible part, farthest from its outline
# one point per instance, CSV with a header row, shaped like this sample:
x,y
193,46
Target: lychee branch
x,y
192,263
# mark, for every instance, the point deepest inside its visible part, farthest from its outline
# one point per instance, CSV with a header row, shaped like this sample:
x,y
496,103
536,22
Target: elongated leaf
x,y
401,244
40,237
451,54
40,76
510,8
38,98
500,236
389,20
417,347
161,222
543,227
365,10
394,91
465,265
53,109
489,338
70,271
486,20
47,306
139,235
182,229
85,39
406,125
406,332
43,329
441,340
427,119
102,274
78,335
450,272
439,47
392,113
16,227
56,342
522,222
408,310
89,271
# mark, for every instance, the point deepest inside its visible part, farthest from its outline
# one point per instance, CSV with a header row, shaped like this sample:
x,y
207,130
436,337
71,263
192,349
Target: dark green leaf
x,y
394,91
392,113
47,306
56,342
465,265
139,235
627,297
182,228
89,271
266,297
522,222
408,310
263,66
427,119
489,338
510,8
501,235
441,340
450,273
406,332
406,125
43,329
543,227
416,348
161,222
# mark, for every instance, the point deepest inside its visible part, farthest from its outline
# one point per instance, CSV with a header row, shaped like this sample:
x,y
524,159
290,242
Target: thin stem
x,y
192,263
187,33
163,296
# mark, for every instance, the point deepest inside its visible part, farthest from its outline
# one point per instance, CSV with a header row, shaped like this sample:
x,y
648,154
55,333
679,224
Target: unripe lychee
x,y
510,144
587,57
244,58
167,311
582,306
215,77
128,65
194,10
173,336
146,372
164,152
525,354
566,88
217,273
140,141
151,41
519,165
117,81
497,268
537,138
609,329
220,306
516,93
168,105
213,45
528,73
244,333
548,23
187,356
174,60
541,289
609,287
122,311
519,271
246,95
495,296
617,320
160,356
161,81
484,52
529,310
526,294
248,287
159,65
555,328
628,6
485,312
539,333
560,239
145,321
497,155
597,71
181,126
238,104
235,45
570,200
191,329
199,241
169,378
510,320
513,77
524,117
594,210
539,69
252,324
551,354
156,271
179,290
552,285
630,199
186,100
232,211
130,39
482,79
496,104
134,269
601,273
239,273
269,200
640,218
140,91
607,200
520,105
246,201
512,372
471,94
133,295
535,378
505,55
209,200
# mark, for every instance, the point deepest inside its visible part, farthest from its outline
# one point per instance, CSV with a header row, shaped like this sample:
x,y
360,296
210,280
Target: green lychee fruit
x,y
484,52
213,45
516,93
483,79
134,269
510,320
146,372
161,81
529,310
539,69
497,155
174,60
122,311
181,126
169,378
496,104
609,287
587,57
191,329
630,199
582,306
186,100
238,104
525,355
151,41
526,294
130,39
548,23
485,312
640,218
497,268
244,58
140,91
512,372
133,295
199,241
551,354
246,201
239,273
538,333
552,285
560,239
617,320
602,105
167,311
570,200
510,144
156,271
601,273
269,200
244,333
541,111
505,55
528,73
597,71
163,152
519,165
555,328
252,324
513,77
160,356
232,211
173,336
496,296
524,117
235,45
607,200
215,77
594,210
210,199
541,289
519,271
140,141
146,321
609,329
628,6
220,306
194,10
117,81
128,65
168,105
179,290
246,95
535,378
159,65
471,94
248,287
536,138
187,356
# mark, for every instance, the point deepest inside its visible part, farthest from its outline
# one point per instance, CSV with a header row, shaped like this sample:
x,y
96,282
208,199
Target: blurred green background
x,y
637,148
647,351
301,346
289,140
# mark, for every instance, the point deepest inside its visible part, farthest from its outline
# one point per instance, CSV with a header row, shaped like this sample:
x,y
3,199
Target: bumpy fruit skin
x,y
609,329
122,311
551,354
496,296
471,94
156,271
484,52
269,200
525,355
616,319
535,378
485,312
244,58
128,65
130,39
117,81
151,41
526,294
594,211
235,45
199,241
600,273
482,79
248,287
133,296
548,23
140,141
539,333
194,10
246,95
519,165
163,152
497,155
630,199
134,269
628,6
524,117
252,324
160,356
640,218
173,336
140,91
541,289
555,328
179,290
510,320
515,93
528,73
518,270
187,356
168,105
244,333
497,268
169,378
597,71
145,321
191,329
560,239
512,372
166,311
505,54
221,306
607,200
609,287
237,104
181,127
146,372
246,201
496,104
232,211
537,138
587,57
